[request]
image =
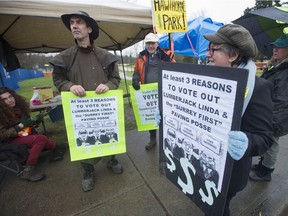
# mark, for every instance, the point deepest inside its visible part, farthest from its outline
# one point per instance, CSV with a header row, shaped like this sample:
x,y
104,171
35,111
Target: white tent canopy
x,y
36,26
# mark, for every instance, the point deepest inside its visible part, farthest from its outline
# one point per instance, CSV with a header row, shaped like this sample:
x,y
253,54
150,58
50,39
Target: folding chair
x,y
11,165
11,157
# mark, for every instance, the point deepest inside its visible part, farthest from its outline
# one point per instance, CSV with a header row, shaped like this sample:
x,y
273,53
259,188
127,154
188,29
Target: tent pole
x,y
126,85
2,81
171,44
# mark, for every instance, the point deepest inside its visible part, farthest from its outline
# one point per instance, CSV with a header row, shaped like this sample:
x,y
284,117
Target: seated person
x,y
15,118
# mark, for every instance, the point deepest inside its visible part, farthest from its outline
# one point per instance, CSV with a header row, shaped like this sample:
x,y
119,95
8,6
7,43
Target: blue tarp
x,y
11,79
8,79
196,29
23,74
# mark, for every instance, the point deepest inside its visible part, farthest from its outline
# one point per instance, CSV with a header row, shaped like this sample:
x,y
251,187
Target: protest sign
x,y
144,103
169,16
200,104
94,124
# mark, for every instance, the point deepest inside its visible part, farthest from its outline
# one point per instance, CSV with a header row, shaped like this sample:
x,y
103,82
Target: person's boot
x,y
28,175
115,166
256,167
152,143
88,181
57,154
261,174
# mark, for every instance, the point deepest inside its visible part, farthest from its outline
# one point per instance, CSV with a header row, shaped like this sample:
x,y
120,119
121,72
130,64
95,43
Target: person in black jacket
x,y
233,46
277,74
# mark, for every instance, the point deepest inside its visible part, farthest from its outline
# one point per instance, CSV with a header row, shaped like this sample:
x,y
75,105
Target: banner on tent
x,y
94,124
199,106
169,16
8,79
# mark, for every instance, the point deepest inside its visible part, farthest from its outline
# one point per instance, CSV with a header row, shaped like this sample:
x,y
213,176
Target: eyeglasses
x,y
211,50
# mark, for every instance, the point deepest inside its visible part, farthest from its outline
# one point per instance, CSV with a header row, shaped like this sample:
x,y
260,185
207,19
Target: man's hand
x,y
78,90
101,88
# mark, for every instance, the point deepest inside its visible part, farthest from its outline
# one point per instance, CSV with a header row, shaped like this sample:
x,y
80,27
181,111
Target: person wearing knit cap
x,y
276,73
146,71
233,46
86,67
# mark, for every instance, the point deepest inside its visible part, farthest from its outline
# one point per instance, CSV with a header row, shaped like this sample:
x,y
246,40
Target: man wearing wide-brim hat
x,y
85,67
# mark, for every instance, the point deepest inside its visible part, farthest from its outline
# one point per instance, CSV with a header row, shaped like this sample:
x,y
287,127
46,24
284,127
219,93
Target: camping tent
x,y
192,43
8,79
35,26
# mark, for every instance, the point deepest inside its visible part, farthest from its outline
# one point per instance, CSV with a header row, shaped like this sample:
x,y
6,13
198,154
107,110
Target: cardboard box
x,y
44,93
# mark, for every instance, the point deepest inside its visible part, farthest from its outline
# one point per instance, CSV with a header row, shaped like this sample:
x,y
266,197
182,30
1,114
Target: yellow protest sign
x,y
169,16
94,124
145,103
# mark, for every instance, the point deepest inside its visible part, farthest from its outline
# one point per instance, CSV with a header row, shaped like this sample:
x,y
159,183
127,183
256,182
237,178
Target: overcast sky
x,y
218,10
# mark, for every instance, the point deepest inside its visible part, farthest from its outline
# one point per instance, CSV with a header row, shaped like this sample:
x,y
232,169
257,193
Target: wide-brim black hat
x,y
89,21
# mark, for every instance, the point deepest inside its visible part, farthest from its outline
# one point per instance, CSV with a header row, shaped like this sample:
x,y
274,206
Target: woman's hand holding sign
x,y
157,117
237,144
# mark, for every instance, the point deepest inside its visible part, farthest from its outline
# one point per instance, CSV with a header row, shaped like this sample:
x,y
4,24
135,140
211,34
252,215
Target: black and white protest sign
x,y
199,105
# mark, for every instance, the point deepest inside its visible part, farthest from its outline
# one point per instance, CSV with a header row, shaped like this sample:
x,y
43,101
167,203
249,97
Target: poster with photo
x,y
199,105
144,103
94,124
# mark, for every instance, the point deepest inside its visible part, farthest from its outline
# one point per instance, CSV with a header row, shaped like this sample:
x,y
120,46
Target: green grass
x,y
55,131
26,86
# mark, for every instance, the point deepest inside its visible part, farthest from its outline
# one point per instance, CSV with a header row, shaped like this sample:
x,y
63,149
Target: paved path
x,y
139,191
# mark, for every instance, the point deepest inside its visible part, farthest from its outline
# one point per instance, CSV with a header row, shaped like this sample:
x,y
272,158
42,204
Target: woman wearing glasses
x,y
233,46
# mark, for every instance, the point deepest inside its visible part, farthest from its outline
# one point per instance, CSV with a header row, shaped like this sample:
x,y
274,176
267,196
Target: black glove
x,y
39,118
136,85
26,121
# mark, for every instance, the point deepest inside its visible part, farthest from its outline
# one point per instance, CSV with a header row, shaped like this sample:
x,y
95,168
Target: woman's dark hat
x,y
89,21
237,36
